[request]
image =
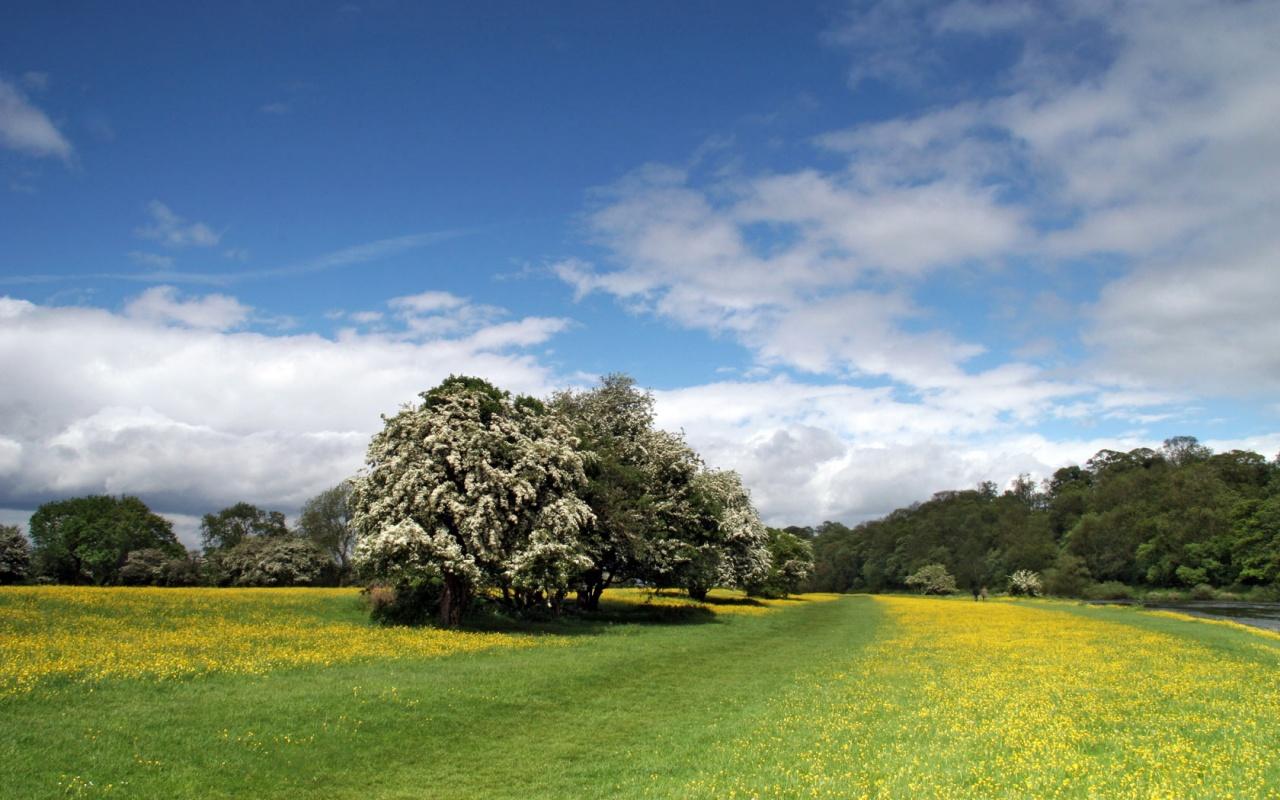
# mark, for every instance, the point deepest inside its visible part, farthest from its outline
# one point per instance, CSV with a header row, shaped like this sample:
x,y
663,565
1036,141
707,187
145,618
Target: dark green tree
x,y
86,539
326,520
234,524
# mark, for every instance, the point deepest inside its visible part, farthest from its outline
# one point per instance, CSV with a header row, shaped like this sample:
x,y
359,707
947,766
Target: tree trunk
x,y
593,584
454,601
698,593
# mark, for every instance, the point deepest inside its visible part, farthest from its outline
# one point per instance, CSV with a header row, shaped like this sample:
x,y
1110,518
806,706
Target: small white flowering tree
x,y
1027,582
932,579
472,489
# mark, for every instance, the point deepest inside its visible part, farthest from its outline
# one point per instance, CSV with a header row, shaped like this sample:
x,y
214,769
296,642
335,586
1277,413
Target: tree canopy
x,y
476,489
326,521
234,524
473,488
1177,517
87,539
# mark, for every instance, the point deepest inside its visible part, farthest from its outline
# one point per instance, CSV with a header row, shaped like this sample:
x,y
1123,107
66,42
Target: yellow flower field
x,y
961,699
85,633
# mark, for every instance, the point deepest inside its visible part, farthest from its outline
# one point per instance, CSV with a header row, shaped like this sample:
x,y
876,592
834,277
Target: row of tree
x,y
1178,517
476,492
473,493
106,540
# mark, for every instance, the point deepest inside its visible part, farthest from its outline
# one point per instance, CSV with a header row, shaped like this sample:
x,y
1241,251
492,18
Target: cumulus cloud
x,y
27,129
1153,153
217,312
1155,148
812,452
165,400
174,231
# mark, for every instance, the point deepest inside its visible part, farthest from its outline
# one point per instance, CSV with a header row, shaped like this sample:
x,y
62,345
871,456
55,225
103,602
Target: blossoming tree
x,y
473,489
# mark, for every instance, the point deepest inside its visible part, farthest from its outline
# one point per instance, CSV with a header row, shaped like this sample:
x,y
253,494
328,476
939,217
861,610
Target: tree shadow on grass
x,y
576,622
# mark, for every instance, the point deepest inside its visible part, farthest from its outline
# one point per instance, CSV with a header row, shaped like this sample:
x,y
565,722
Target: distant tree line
x,y
118,541
1181,517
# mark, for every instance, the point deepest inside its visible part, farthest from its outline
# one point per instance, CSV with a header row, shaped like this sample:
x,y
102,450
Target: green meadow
x,y
289,693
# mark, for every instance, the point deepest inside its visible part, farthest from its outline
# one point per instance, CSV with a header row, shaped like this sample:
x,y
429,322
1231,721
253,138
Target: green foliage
x,y
1068,576
1110,590
790,564
87,539
235,524
411,602
15,555
326,520
932,579
1173,518
625,487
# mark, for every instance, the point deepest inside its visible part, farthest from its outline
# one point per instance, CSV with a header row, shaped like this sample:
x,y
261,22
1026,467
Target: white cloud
x,y
814,452
174,231
1157,148
426,302
217,312
27,129
194,418
1158,151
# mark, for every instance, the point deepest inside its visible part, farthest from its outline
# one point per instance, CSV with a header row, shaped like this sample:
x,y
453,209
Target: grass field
x,y
286,693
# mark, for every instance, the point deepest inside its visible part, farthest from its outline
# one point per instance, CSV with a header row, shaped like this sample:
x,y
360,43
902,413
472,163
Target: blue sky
x,y
861,251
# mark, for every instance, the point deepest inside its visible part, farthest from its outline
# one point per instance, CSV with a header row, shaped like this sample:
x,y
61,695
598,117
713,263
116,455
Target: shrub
x,y
410,603
181,572
1026,582
273,561
1159,596
1109,590
1264,594
144,567
1203,591
932,579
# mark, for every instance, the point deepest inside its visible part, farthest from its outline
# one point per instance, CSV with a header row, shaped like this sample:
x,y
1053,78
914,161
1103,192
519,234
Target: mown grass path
x,y
876,697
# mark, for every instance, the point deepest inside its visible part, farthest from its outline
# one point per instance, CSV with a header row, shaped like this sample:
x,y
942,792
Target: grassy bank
x,y
891,696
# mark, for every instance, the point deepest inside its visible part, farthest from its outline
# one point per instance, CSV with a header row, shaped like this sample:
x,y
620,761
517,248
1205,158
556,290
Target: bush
x,y
410,603
181,572
1160,596
1203,591
144,567
1109,590
932,579
1264,594
1026,582
15,555
273,561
